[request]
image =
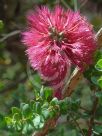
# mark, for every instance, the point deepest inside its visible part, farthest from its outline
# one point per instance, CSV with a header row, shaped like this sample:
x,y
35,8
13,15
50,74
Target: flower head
x,y
55,40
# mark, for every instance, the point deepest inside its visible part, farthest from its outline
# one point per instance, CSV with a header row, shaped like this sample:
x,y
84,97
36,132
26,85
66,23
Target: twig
x,y
91,123
75,5
9,35
84,109
99,38
83,3
51,123
65,4
77,124
97,122
57,2
73,82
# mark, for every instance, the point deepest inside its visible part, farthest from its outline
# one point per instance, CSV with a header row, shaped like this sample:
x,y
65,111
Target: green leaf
x,y
48,92
37,107
100,82
16,116
37,95
26,111
94,80
75,104
46,113
53,113
37,81
25,107
25,128
37,78
54,102
42,92
98,129
84,115
15,110
63,106
45,105
98,55
8,120
99,95
2,121
41,125
98,65
36,121
30,127
42,121
18,126
32,103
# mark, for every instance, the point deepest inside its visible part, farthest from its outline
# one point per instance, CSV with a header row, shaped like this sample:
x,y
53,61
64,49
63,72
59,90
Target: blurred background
x,y
15,84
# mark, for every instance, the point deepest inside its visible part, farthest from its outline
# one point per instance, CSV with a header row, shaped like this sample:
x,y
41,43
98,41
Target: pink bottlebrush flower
x,y
54,40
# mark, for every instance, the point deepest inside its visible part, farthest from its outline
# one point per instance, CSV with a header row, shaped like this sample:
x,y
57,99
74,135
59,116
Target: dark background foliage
x,y
17,83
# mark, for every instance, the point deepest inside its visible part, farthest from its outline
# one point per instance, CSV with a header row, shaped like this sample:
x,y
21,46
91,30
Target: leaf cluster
x,y
33,115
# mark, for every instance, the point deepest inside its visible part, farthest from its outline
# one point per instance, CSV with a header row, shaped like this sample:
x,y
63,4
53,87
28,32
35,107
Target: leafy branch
x,y
33,115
